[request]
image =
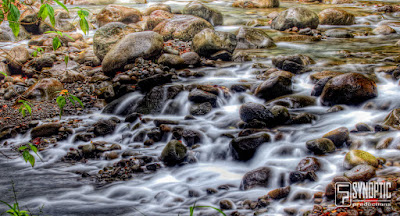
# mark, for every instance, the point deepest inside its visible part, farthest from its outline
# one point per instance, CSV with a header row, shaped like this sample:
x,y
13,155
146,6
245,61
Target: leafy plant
x,y
14,209
83,23
25,106
62,100
12,13
194,207
28,157
57,40
37,51
66,60
3,73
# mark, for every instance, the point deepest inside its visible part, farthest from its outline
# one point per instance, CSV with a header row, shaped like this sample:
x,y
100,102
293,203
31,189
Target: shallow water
x,y
63,192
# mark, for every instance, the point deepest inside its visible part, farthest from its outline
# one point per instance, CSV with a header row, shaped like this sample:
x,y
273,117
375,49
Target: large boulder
x,y
357,157
208,42
253,38
139,44
256,178
16,58
173,153
320,146
107,36
393,119
256,3
44,89
350,89
182,27
199,9
295,17
117,13
253,111
45,130
274,87
362,172
334,16
244,148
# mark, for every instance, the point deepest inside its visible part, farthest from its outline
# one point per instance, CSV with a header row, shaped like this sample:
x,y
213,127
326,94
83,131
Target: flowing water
x,y
56,185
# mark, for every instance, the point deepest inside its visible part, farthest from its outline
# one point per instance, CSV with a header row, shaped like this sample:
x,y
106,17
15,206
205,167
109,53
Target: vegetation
x,y
25,106
28,157
65,96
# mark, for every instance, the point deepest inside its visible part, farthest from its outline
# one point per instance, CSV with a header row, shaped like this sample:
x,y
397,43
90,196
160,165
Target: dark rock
x,y
200,109
279,193
303,118
244,148
335,16
294,101
45,130
200,96
338,136
360,173
208,42
16,58
252,38
393,119
104,127
148,83
350,89
294,63
339,33
250,111
225,205
274,87
197,8
173,153
308,164
321,146
256,178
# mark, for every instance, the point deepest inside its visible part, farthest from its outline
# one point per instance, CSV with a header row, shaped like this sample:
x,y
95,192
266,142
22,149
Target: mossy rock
x,y
173,153
357,157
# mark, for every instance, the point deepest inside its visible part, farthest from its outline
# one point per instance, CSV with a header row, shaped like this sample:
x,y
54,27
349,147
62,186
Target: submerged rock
x,y
182,27
293,101
173,153
334,16
350,89
256,178
197,8
384,30
295,17
140,44
244,148
253,111
208,42
274,87
118,13
358,157
308,164
339,33
256,3
393,119
252,38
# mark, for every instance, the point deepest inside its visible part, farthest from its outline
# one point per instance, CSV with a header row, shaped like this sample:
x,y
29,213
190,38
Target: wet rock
x,y
393,119
140,44
243,148
335,16
208,42
170,60
308,164
295,17
182,27
256,178
360,173
384,30
350,89
30,22
279,193
118,13
339,33
338,136
320,146
252,111
197,8
43,61
384,143
358,157
200,96
256,3
280,115
200,109
104,127
252,38
191,137
191,58
319,86
294,63
155,18
303,118
397,43
158,6
274,87
173,153
107,36
362,127
315,77
297,176
45,130
16,58
112,155
150,82
293,101
154,100
44,89
225,205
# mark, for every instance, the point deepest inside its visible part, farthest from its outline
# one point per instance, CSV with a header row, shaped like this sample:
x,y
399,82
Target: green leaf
x,y
61,101
43,13
26,155
82,13
48,32
66,59
34,54
13,19
83,23
33,148
56,43
22,148
27,107
62,5
1,16
3,73
69,37
23,111
72,100
50,11
77,100
32,160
